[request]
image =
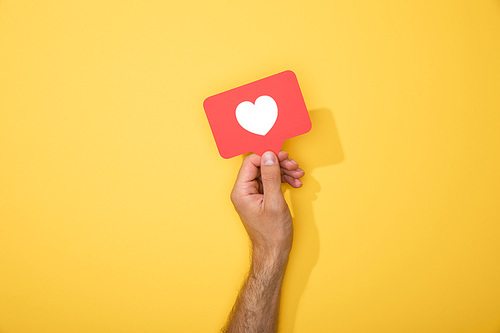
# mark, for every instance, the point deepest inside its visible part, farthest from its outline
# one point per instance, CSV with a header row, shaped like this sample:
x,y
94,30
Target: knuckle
x,y
248,158
269,177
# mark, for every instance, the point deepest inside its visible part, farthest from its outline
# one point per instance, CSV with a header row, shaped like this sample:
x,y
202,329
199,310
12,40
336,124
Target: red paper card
x,y
258,116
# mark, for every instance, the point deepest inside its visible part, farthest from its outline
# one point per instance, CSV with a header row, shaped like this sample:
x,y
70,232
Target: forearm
x,y
258,199
257,306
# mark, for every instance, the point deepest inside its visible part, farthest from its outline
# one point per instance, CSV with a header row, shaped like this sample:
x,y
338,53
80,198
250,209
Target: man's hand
x,y
259,201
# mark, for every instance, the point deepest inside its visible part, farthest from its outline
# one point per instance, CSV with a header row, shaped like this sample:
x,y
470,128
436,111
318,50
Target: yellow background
x,y
114,203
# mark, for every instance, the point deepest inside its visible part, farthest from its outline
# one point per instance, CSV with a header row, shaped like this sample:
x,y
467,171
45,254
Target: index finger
x,y
249,170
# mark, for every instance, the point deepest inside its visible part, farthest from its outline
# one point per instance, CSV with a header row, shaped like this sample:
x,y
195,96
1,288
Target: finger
x,y
249,169
282,155
294,182
271,177
297,173
289,164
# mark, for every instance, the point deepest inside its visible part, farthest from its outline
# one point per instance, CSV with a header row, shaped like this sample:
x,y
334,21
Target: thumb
x,y
271,176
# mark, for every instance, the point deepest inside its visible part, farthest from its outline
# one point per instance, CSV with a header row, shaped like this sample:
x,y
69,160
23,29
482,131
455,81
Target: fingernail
x,y
268,158
293,161
298,181
299,169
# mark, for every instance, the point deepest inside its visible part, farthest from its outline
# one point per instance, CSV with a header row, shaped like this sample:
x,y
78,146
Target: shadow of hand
x,y
319,148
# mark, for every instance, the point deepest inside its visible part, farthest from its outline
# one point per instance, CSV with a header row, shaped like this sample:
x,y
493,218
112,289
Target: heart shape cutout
x,y
257,118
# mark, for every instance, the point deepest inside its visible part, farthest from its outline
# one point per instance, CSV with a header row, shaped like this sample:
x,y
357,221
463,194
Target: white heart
x,y
257,118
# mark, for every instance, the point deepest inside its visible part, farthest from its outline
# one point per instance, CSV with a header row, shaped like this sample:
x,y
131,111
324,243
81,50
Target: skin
x,y
258,199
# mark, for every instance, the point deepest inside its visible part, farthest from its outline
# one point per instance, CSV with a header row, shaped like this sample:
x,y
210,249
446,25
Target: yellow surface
x,y
114,203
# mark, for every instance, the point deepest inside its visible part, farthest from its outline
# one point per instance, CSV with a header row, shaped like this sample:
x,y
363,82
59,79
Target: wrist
x,y
270,257
273,248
